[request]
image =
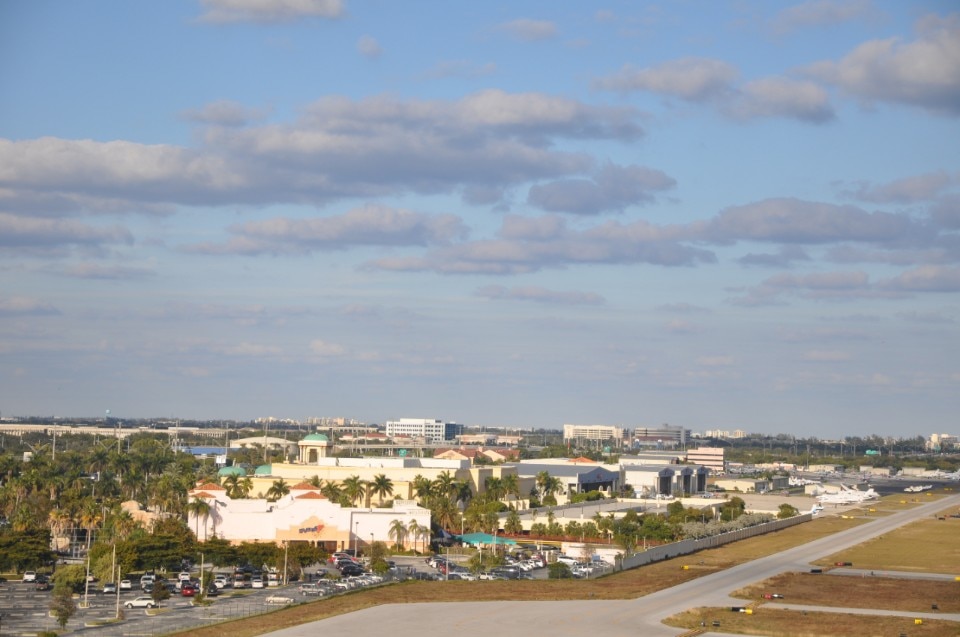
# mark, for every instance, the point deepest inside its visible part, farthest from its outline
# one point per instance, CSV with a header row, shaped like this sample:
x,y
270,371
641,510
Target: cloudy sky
x,y
710,214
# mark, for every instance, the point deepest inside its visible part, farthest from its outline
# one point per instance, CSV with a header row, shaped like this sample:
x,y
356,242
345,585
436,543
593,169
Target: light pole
x,y
356,538
286,546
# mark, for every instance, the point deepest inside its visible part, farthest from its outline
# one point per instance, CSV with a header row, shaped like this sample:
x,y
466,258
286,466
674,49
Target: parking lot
x,y
24,609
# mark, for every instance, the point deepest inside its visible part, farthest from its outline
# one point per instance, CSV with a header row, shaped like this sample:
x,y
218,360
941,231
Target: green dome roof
x,y
317,438
232,471
264,470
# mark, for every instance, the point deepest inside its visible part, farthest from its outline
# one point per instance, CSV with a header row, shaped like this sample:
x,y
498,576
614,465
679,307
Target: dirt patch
x,y
774,622
889,593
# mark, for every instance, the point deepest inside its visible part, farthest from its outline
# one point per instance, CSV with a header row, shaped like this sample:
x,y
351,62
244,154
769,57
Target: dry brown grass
x,y
930,545
889,593
774,622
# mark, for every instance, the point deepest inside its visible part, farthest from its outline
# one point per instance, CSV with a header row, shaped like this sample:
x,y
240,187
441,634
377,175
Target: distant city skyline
x,y
717,215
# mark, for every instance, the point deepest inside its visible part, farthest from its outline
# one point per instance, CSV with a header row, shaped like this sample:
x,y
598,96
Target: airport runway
x,y
612,618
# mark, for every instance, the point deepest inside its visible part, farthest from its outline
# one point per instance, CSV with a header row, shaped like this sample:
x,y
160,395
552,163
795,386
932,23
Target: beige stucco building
x,y
305,515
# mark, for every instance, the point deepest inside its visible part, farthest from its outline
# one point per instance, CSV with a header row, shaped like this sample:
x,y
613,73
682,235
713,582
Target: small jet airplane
x,y
848,496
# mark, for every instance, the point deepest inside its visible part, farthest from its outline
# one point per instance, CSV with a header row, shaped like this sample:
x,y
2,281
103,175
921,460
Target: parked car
x,y
310,588
110,588
42,584
566,559
423,576
30,576
221,581
143,601
126,585
187,590
351,570
256,582
212,591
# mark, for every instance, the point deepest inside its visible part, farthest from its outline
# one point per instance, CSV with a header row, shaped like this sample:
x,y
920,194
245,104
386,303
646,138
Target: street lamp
x,y
356,536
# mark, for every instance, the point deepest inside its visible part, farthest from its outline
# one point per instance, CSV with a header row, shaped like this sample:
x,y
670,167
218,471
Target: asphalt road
x,y
612,618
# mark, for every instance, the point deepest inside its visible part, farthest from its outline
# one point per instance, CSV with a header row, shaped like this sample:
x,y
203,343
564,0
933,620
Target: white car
x,y
256,582
140,602
221,581
566,559
30,576
126,585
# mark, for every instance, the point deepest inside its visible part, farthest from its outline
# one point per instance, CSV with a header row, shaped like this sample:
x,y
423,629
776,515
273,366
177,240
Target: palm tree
x,y
381,486
548,485
444,485
513,524
422,489
353,488
199,508
277,490
416,530
494,487
333,492
398,532
445,513
511,485
462,492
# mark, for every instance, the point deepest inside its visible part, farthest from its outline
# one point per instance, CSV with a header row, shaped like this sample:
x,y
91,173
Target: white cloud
x,y
912,189
531,246
781,97
368,225
97,271
928,278
219,11
339,148
368,47
26,306
612,188
31,232
790,220
326,350
923,73
530,30
540,295
225,113
691,78
820,13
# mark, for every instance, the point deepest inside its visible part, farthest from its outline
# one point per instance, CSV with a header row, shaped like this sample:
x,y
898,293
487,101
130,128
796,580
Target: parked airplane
x,y
846,495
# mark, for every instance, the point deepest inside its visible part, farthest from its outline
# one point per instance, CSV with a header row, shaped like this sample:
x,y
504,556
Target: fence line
x,y
686,547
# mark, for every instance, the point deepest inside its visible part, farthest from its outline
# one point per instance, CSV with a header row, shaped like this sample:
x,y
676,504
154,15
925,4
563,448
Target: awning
x,y
484,538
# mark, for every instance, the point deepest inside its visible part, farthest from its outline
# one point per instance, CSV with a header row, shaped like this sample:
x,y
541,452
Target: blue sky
x,y
709,214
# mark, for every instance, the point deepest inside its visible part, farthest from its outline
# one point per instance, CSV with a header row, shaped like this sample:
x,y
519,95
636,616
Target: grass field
x,y
887,593
638,582
774,622
930,546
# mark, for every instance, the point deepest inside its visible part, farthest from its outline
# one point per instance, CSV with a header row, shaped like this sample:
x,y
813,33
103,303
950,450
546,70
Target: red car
x,y
187,590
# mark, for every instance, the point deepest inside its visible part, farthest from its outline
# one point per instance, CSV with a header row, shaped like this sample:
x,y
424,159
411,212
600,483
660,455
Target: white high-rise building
x,y
423,428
